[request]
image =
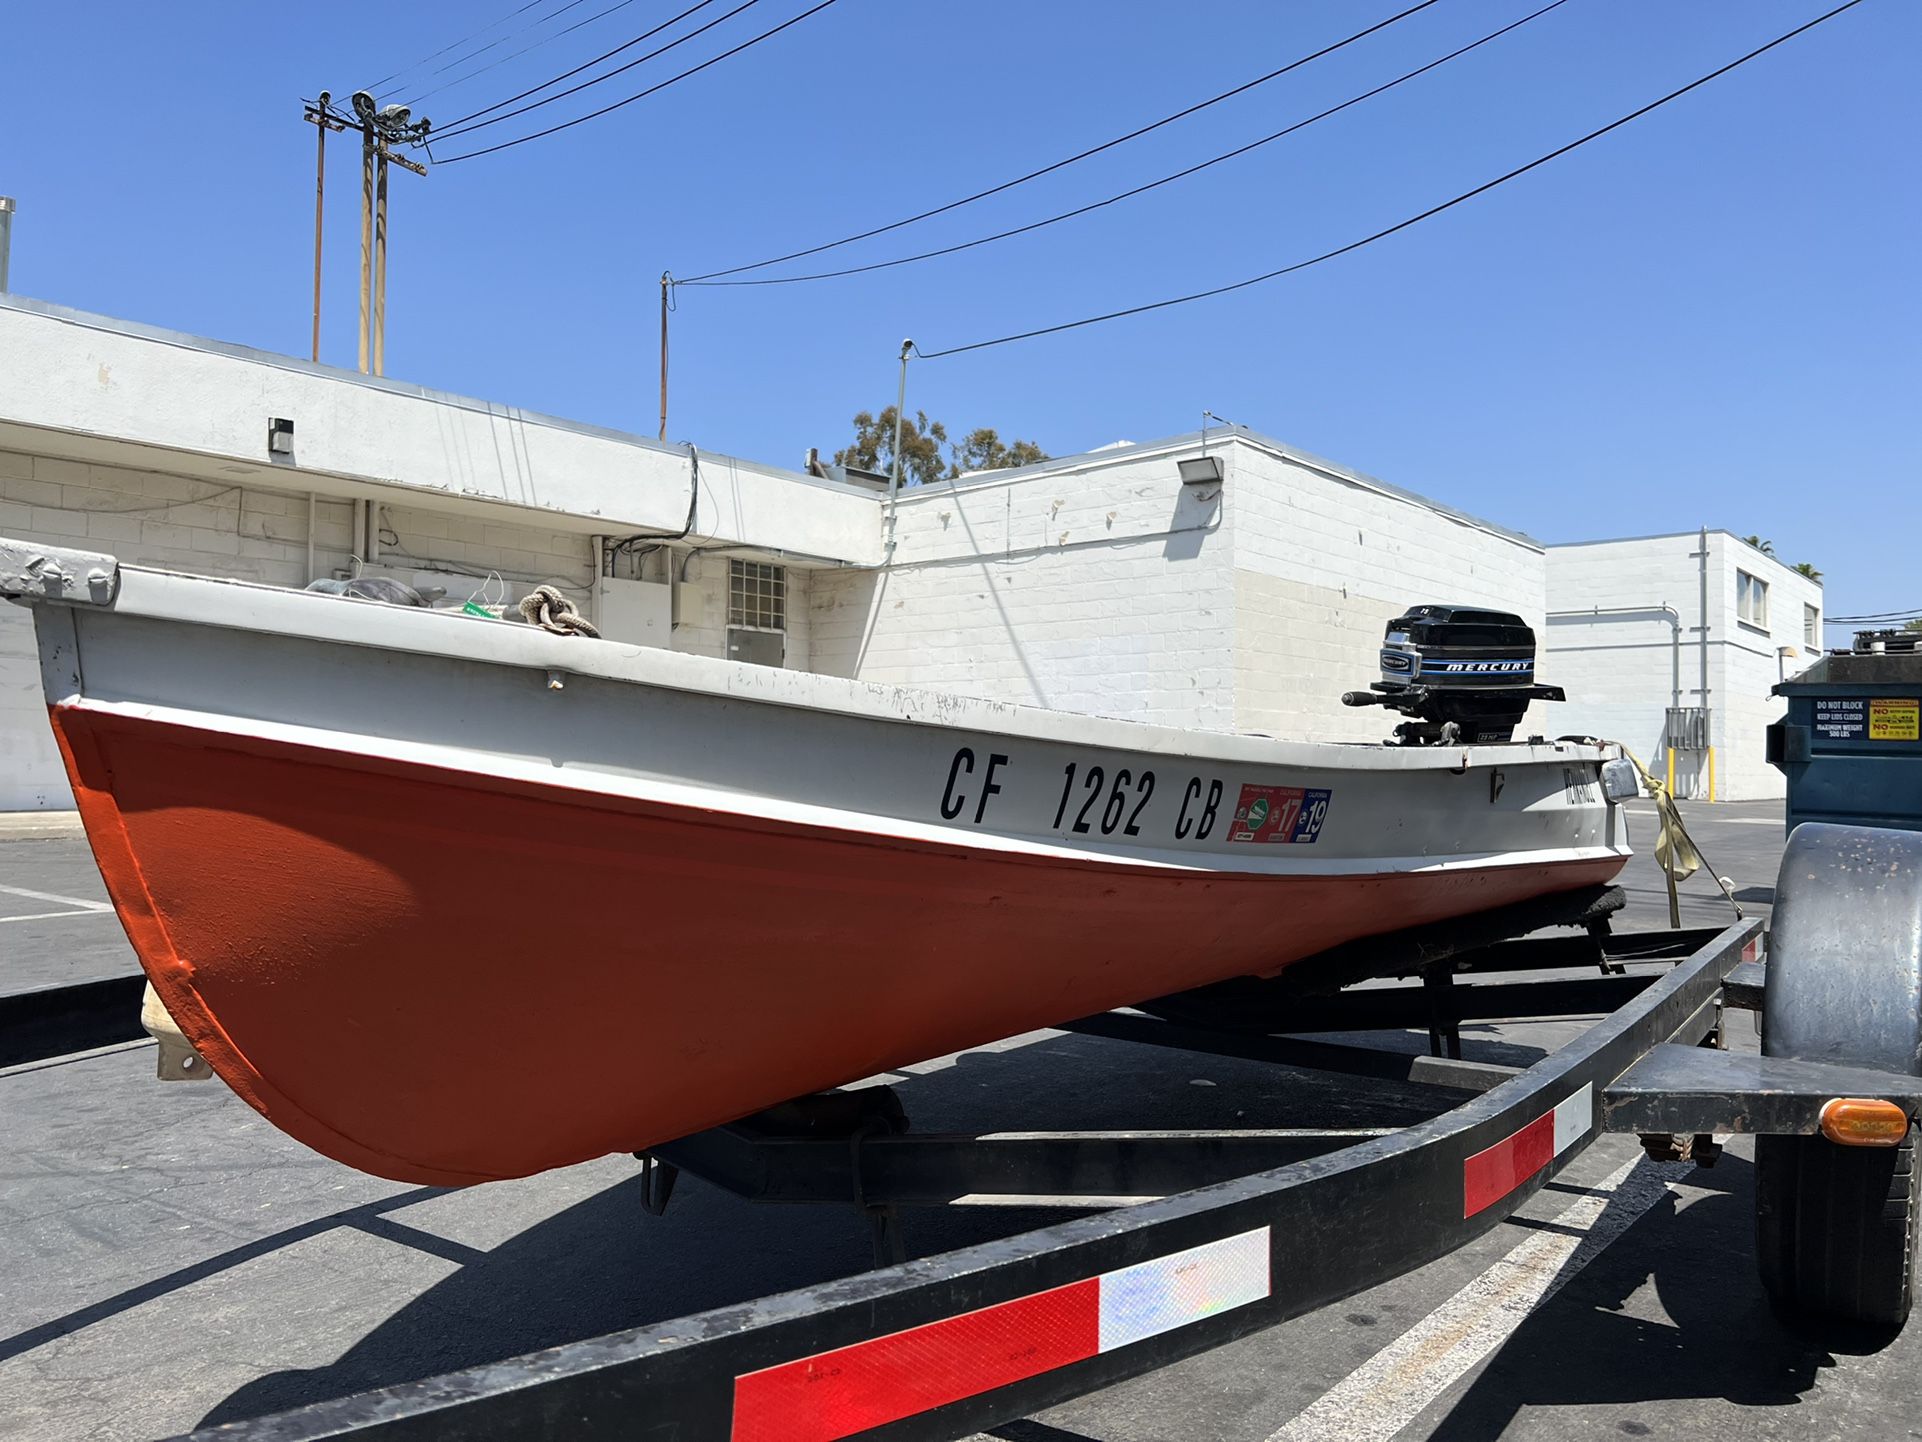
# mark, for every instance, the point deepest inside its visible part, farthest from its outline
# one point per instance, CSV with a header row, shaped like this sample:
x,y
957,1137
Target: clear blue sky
x,y
1712,316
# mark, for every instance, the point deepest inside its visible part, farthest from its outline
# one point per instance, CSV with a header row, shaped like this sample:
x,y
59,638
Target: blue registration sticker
x,y
1314,810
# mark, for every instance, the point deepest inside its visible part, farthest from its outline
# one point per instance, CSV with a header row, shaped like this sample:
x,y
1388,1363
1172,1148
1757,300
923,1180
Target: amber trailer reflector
x,y
1855,1122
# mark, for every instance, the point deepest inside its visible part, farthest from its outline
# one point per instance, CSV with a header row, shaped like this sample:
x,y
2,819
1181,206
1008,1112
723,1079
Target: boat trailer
x,y
1197,1238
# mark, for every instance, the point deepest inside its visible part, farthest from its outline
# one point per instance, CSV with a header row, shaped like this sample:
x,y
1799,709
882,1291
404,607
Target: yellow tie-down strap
x,y
1675,850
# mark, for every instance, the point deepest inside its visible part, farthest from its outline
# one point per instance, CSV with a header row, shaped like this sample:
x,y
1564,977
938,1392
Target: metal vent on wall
x,y
1687,728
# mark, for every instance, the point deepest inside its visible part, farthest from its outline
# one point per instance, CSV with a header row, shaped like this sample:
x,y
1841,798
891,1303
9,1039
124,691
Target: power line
x,y
1879,618
471,35
459,80
588,65
1070,160
1151,185
462,127
1433,210
642,95
494,44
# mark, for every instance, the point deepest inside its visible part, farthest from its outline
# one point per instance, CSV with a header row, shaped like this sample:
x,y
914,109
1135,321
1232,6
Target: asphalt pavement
x,y
168,1259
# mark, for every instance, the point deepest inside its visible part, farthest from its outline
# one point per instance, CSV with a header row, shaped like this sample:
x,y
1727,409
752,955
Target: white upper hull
x,y
503,699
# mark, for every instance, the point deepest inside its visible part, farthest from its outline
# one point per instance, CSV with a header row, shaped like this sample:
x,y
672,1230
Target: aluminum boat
x,y
453,899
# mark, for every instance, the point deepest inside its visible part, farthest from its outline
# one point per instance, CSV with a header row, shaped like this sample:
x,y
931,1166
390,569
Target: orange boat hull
x,y
444,977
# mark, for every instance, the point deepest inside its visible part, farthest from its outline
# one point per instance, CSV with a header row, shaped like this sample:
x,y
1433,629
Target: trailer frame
x,y
943,1346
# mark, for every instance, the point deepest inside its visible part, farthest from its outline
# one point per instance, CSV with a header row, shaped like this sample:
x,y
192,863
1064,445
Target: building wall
x,y
1750,661
89,378
1105,585
1322,561
1618,668
700,596
1102,587
244,533
1617,662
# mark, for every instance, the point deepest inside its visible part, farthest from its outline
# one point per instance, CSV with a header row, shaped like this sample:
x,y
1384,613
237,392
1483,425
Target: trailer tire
x,y
1835,1226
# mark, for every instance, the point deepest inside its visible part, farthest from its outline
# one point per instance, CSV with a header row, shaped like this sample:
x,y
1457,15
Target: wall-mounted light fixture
x,y
280,438
1204,469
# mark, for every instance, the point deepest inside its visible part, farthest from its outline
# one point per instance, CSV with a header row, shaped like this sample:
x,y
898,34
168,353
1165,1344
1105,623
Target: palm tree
x,y
1805,568
1767,548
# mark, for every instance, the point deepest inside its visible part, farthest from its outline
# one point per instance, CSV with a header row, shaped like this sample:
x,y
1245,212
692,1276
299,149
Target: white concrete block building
x,y
1673,642
1102,583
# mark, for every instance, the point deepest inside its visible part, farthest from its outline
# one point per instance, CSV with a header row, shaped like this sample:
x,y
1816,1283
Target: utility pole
x,y
379,129
323,121
364,106
380,257
667,282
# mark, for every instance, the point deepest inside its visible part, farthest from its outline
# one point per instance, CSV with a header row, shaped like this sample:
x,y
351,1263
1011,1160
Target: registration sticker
x,y
1279,813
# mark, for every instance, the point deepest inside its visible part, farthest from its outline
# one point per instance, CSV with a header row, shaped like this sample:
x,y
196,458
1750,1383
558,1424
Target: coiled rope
x,y
548,608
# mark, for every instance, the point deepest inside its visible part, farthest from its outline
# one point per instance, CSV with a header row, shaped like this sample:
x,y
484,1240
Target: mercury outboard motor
x,y
1461,673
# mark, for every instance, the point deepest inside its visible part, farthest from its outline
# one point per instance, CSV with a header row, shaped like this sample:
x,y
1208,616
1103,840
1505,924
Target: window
x,y
1811,628
1752,599
756,613
756,595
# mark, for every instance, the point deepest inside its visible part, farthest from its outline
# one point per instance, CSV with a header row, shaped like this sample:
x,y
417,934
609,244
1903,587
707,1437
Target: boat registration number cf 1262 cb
x,y
1098,800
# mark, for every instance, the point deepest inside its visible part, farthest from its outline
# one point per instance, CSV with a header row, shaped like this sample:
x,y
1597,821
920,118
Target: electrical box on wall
x,y
638,612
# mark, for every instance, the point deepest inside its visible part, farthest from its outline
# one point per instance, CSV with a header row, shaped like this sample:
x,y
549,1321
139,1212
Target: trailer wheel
x,y
1835,1226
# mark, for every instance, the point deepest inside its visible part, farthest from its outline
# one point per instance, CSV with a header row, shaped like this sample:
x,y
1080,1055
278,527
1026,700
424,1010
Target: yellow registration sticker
x,y
1895,720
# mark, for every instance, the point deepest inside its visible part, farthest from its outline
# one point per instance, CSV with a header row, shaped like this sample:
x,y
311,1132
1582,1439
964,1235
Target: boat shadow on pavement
x,y
1707,1331
603,1265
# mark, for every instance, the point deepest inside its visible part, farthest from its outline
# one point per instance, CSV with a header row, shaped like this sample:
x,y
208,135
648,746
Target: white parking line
x,y
77,902
1387,1392
52,915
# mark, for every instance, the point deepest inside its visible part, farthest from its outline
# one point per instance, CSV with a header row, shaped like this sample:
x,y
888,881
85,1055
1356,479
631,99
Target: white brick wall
x,y
702,601
85,375
243,533
1617,669
254,534
1323,561
1104,588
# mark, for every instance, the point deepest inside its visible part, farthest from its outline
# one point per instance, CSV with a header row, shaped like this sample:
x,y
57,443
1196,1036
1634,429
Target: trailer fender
x,y
1835,1226
1845,949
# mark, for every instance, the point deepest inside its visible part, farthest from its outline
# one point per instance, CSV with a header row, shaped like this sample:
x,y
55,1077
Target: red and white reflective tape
x,y
1494,1172
837,1394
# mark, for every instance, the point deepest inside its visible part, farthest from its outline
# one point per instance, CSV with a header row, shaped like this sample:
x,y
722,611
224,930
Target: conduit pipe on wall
x,y
1708,717
1702,557
1675,636
1674,658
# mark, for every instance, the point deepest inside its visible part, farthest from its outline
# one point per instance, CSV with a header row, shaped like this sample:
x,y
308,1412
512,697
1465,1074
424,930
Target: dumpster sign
x,y
1868,718
1842,718
1895,719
